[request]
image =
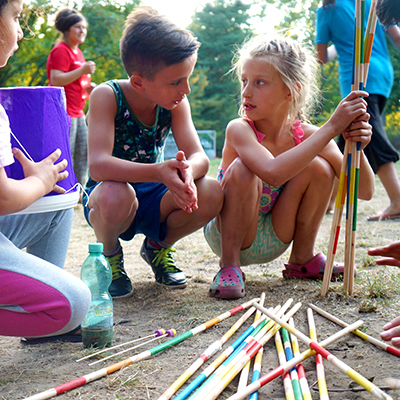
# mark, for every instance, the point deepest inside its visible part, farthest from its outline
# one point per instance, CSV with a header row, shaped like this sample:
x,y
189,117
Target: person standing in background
x,y
66,66
335,21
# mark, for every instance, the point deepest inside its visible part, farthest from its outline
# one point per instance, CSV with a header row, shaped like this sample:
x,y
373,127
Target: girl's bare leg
x,y
298,213
237,222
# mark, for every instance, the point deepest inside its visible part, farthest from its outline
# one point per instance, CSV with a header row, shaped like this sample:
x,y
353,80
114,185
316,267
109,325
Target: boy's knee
x,y
210,193
112,198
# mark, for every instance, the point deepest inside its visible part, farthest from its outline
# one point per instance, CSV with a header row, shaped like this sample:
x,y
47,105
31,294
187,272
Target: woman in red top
x,y
67,67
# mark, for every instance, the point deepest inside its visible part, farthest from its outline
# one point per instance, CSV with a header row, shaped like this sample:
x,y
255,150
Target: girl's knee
x,y
239,175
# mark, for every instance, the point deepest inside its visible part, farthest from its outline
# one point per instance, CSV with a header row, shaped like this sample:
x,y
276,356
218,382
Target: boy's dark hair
x,y
67,17
3,4
150,42
388,12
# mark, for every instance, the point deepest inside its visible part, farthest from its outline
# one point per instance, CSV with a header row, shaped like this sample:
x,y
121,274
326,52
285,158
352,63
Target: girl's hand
x,y
359,131
348,110
46,170
89,67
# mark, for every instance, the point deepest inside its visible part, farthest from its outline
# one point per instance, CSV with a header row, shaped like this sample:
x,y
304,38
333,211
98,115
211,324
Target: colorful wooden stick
x,y
284,368
157,333
208,353
323,389
287,381
305,389
242,349
362,335
240,362
138,357
293,371
168,333
257,371
365,383
244,375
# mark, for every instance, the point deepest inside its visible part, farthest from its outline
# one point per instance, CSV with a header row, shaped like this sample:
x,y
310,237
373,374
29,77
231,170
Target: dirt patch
x,y
27,370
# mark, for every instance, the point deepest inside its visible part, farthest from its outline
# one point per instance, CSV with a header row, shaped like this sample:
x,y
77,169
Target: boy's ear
x,y
137,82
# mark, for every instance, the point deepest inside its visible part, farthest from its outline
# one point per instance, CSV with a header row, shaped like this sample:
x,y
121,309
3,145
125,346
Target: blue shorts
x,y
147,219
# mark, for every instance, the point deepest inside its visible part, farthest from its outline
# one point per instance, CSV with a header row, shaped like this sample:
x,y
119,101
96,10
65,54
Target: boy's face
x,y
171,84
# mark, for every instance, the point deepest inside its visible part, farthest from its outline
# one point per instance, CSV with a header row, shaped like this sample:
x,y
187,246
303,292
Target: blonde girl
x,y
277,170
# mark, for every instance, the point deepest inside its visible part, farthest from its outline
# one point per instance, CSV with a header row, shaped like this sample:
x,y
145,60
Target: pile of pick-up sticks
x,y
235,359
348,182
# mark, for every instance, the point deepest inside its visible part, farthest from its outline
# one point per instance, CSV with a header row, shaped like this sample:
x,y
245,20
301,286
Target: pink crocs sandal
x,y
313,269
228,283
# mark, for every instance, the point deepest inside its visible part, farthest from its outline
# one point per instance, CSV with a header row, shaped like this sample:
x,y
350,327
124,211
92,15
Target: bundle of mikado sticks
x,y
348,181
236,358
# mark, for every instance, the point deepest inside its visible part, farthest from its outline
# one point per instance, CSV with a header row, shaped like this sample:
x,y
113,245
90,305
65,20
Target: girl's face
x,y
77,33
264,93
10,30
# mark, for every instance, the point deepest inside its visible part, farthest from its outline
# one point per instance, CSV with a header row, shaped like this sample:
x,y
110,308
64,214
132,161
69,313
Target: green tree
x,y
106,20
219,26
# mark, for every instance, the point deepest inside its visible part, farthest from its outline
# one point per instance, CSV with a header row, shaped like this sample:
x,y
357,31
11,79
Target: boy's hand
x,y
391,250
359,131
46,170
348,110
392,332
179,180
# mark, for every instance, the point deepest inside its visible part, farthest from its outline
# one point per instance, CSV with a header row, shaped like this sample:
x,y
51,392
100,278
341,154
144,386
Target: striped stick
x,y
157,333
257,371
365,383
227,365
138,357
305,390
241,362
369,39
208,353
244,376
362,335
169,333
284,368
293,372
287,381
323,389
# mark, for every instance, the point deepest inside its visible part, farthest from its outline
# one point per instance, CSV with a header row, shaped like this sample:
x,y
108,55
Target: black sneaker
x,y
121,285
163,265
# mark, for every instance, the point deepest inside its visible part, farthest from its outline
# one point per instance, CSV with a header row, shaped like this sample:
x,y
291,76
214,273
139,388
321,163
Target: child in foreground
x,y
277,170
37,298
131,189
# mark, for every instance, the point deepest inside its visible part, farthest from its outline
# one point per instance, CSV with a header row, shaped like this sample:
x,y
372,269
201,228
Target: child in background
x,y
131,189
37,298
67,67
277,170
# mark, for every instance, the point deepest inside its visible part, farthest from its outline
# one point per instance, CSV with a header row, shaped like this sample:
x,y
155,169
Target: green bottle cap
x,y
95,247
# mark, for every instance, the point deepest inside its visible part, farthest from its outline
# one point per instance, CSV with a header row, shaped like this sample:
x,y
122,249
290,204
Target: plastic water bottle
x,y
97,327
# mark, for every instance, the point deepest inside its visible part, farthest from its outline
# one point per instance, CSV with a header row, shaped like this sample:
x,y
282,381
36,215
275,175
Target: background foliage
x,y
221,25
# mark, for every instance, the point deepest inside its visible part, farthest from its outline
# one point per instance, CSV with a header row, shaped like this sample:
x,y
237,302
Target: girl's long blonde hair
x,y
296,64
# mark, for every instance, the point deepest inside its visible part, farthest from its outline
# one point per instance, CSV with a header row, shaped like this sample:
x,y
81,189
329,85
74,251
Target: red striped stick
x,y
323,389
362,335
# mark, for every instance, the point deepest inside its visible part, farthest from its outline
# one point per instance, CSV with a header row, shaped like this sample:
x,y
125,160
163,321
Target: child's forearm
x,y
366,179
